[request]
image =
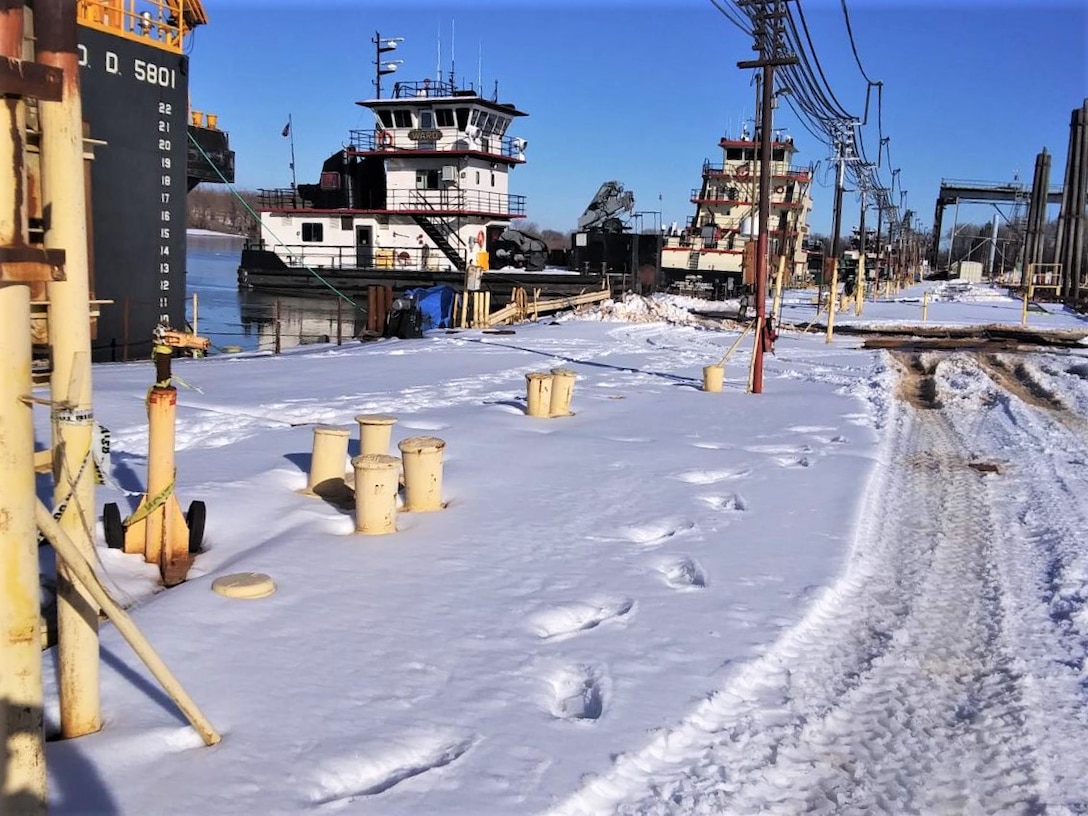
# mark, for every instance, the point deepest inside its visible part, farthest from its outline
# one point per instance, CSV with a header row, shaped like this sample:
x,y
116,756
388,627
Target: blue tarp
x,y
436,304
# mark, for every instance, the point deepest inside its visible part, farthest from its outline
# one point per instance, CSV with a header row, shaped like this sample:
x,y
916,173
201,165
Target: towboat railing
x,y
450,201
778,171
449,141
348,256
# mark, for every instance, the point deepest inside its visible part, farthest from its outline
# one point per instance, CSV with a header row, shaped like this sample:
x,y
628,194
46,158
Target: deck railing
x,y
387,141
450,201
162,23
348,256
791,172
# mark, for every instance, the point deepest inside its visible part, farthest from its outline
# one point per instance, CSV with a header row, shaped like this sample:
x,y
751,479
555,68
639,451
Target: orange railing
x,y
162,23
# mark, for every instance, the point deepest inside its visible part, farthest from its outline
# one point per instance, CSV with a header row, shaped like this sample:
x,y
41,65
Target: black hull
x,y
263,271
135,99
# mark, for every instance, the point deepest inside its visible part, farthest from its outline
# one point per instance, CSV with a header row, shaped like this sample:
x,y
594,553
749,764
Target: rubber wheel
x,y
194,519
113,527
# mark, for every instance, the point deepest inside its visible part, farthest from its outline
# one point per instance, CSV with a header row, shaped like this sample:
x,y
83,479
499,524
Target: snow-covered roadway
x,y
944,672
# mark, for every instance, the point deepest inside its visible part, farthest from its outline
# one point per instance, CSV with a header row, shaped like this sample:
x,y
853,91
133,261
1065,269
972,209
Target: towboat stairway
x,y
442,234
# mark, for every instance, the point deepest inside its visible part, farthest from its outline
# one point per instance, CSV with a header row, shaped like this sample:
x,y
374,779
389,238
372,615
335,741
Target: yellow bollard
x,y
422,456
539,393
562,391
925,305
1024,310
327,463
713,377
375,433
376,485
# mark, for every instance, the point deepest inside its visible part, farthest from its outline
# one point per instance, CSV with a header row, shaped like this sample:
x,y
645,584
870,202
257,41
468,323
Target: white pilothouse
x,y
415,200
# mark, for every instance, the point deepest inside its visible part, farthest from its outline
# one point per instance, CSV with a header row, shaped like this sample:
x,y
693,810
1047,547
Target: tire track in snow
x,y
1042,504
897,693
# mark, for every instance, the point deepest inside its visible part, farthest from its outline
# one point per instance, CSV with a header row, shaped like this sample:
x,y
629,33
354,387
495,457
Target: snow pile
x,y
957,291
636,309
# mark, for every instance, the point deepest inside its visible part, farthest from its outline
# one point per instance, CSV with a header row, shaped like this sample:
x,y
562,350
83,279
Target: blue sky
x,y
641,92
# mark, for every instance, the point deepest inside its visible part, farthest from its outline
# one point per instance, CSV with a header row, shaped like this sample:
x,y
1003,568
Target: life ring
x,y
779,190
385,138
743,171
480,238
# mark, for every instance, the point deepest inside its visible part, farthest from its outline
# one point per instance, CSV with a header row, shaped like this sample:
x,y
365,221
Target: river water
x,y
240,320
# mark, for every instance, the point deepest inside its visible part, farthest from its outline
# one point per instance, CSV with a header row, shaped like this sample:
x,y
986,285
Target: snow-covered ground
x,y
862,591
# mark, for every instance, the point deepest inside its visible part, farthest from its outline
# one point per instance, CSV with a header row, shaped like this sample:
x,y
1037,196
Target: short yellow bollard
x,y
376,485
713,378
925,306
562,391
375,433
327,463
422,456
539,393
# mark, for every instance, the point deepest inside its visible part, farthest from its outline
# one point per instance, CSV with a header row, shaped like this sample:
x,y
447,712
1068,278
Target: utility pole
x,y
768,41
880,203
836,241
859,284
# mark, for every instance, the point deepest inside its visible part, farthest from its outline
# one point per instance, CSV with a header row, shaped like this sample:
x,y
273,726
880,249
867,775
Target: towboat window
x,y
500,129
426,120
402,117
386,118
428,179
475,117
313,232
488,124
462,118
444,117
778,154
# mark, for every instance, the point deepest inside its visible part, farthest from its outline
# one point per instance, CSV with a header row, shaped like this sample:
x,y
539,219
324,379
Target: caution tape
x,y
153,503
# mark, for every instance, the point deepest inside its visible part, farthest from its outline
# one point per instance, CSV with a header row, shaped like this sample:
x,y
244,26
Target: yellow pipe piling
x,y
64,198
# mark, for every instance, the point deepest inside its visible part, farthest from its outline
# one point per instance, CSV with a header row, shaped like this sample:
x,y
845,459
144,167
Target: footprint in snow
x,y
704,477
683,574
655,532
345,779
577,693
566,621
730,503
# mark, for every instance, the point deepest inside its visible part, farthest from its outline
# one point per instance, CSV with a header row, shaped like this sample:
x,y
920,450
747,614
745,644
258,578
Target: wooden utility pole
x,y
859,284
64,198
768,42
836,241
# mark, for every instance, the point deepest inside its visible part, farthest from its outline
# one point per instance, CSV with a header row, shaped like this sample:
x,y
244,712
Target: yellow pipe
x,y
375,433
422,456
776,307
64,198
736,343
22,741
161,410
832,301
330,451
75,560
925,305
562,391
23,788
376,482
538,387
713,378
1024,308
859,289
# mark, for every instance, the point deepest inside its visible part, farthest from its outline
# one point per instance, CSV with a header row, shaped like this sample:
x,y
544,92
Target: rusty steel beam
x,y
21,78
